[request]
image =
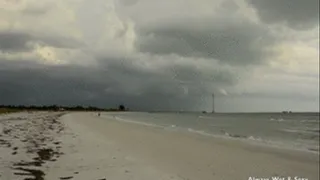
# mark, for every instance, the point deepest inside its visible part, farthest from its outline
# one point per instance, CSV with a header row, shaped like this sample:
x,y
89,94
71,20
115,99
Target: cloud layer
x,y
294,13
160,55
236,43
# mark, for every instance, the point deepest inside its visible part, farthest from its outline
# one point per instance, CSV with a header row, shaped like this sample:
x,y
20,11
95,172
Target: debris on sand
x,y
6,131
37,174
34,136
65,178
32,163
45,154
5,143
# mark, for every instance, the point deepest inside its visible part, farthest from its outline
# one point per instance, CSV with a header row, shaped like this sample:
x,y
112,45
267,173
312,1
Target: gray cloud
x,y
13,41
232,42
36,11
114,81
295,13
275,95
183,51
128,2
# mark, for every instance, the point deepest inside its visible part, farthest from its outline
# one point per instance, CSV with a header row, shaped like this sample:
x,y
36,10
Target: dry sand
x,y
87,147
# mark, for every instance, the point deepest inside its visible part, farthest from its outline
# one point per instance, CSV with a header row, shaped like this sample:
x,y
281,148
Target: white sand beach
x,y
83,146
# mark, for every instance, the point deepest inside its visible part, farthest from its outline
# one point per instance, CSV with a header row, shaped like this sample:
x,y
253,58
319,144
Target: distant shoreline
x,y
15,108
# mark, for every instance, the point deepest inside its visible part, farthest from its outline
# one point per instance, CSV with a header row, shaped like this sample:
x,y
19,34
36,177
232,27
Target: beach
x,y
85,146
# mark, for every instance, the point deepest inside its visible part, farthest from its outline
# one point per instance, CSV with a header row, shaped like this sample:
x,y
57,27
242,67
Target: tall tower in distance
x,y
213,111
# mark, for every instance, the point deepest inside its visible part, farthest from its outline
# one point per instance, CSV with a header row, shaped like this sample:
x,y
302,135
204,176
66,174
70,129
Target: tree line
x,y
60,108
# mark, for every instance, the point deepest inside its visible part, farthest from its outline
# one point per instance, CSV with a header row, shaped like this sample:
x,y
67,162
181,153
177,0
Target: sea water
x,y
292,130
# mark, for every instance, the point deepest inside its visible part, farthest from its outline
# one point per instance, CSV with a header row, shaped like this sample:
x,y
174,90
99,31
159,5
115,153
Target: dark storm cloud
x,y
183,51
299,14
276,95
169,81
11,41
39,84
115,81
109,85
232,42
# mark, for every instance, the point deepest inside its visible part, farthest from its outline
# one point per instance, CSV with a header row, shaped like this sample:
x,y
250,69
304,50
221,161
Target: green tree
x,y
122,108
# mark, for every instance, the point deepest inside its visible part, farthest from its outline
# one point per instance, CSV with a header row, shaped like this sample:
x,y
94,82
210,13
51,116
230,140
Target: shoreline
x,y
87,147
178,149
228,137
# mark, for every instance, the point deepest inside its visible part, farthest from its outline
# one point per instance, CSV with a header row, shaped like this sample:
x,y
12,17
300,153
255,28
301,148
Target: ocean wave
x,y
277,120
204,117
238,136
136,122
224,134
172,127
301,131
310,121
254,138
260,141
199,132
292,130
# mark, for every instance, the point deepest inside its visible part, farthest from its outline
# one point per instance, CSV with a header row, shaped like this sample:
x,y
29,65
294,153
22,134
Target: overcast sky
x,y
255,55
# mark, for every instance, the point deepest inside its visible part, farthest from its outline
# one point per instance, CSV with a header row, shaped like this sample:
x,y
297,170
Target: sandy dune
x,y
87,147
